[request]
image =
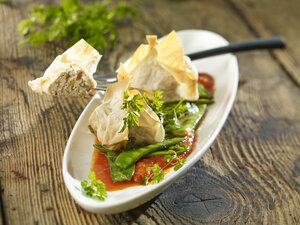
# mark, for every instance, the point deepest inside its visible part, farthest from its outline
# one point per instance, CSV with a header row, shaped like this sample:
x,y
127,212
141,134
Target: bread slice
x,y
70,74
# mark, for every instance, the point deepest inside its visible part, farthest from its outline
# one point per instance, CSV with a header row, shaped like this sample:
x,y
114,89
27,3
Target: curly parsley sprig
x,y
133,107
156,102
95,22
94,188
157,174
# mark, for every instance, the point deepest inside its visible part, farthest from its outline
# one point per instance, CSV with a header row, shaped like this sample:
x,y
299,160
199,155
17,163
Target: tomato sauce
x,y
100,164
143,164
207,81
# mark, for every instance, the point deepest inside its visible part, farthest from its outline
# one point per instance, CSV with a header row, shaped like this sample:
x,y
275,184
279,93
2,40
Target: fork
x,y
261,43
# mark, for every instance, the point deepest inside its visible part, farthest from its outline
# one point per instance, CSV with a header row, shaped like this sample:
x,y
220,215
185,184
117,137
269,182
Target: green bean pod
x,y
129,157
168,152
198,101
189,122
117,174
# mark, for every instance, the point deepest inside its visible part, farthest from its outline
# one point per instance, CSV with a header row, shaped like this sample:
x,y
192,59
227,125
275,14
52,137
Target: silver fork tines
x,y
103,81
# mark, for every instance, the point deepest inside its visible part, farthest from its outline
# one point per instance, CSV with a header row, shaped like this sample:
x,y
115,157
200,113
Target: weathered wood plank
x,y
267,18
250,175
2,214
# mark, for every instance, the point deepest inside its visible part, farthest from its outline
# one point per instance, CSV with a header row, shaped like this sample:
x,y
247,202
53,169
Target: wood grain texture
x,y
250,175
275,17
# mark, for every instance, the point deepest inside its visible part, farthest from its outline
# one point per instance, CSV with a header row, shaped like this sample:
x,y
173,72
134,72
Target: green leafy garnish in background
x,y
94,188
95,22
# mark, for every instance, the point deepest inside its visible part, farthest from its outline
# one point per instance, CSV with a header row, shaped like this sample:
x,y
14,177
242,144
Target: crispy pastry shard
x,y
70,74
163,66
107,119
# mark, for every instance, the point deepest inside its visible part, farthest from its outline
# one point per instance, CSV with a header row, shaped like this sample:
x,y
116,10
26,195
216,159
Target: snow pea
x,y
198,101
117,174
178,149
189,122
127,158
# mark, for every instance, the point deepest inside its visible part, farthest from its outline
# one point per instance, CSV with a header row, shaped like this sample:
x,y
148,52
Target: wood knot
x,y
198,196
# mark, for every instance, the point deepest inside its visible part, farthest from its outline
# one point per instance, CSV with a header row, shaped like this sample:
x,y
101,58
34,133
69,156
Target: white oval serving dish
x,y
79,150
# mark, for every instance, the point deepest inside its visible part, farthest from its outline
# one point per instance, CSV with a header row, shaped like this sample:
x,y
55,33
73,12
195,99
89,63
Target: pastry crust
x,y
70,74
107,119
163,66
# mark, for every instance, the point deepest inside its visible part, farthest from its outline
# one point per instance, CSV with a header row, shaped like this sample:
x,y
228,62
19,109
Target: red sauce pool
x,y
100,164
207,81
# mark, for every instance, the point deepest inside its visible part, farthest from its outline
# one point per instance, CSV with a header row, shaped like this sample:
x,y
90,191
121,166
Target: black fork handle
x,y
263,43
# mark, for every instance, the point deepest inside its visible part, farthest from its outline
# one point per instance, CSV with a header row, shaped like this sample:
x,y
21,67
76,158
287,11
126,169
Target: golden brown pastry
x,y
163,66
70,74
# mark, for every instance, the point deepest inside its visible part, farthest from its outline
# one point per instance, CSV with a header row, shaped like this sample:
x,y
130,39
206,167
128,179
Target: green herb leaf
x,y
95,22
157,174
133,107
94,188
180,164
155,103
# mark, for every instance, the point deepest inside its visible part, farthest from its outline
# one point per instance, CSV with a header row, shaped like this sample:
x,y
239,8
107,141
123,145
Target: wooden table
x,y
250,175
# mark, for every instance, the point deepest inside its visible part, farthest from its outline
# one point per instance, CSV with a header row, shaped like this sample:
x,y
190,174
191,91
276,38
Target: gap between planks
x,y
3,218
